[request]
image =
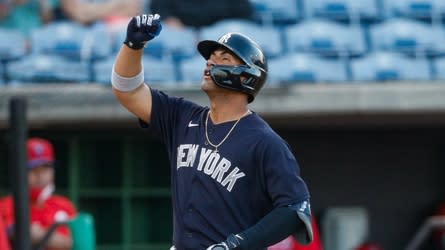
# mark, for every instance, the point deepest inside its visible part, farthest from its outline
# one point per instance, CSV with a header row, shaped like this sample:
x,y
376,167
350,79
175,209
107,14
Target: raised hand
x,y
142,29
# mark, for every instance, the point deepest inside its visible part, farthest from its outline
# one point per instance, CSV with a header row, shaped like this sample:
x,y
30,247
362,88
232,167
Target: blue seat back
x,y
273,12
268,37
367,10
417,9
386,66
2,76
172,43
175,43
71,40
304,67
48,68
156,70
102,70
12,44
439,69
408,36
325,37
159,71
192,70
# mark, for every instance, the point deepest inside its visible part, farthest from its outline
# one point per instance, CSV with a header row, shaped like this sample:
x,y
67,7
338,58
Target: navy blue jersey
x,y
218,193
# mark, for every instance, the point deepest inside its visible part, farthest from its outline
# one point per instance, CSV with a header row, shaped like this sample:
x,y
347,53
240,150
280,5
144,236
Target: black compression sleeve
x,y
274,227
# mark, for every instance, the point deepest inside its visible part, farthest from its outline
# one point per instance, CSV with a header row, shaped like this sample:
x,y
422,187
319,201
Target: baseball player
x,y
46,208
235,182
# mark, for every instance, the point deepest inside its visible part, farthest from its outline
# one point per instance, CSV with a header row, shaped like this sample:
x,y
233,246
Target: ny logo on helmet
x,y
225,38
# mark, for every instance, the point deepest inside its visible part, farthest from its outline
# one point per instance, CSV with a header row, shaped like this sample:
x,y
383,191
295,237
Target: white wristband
x,y
126,84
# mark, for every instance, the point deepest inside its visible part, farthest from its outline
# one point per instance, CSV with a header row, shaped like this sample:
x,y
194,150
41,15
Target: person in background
x,y
109,15
199,13
4,243
25,15
5,5
46,208
90,11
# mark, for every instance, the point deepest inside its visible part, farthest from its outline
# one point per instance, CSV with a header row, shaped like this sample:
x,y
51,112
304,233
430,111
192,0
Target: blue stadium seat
x,y
47,68
344,10
12,44
418,9
2,79
155,48
172,43
72,40
439,65
273,12
192,70
297,67
326,37
388,66
441,8
408,36
155,70
102,70
175,43
268,37
159,71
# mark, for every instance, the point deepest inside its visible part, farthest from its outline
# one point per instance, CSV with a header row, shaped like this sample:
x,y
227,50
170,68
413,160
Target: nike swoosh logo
x,y
193,124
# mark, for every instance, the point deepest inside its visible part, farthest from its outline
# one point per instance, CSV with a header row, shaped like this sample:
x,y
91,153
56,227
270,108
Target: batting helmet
x,y
254,69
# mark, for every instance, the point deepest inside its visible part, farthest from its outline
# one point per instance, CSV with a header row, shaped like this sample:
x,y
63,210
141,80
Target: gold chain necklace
x,y
225,138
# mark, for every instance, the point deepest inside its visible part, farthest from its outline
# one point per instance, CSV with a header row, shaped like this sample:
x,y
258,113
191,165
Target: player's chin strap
x,y
275,226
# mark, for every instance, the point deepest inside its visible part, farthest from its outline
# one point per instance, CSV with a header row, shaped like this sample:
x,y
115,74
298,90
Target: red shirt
x,y
54,207
4,243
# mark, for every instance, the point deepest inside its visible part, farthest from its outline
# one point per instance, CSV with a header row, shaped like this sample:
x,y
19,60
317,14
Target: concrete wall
x,y
83,103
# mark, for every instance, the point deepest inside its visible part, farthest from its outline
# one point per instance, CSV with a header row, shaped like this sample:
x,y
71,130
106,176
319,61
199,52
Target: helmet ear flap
x,y
227,76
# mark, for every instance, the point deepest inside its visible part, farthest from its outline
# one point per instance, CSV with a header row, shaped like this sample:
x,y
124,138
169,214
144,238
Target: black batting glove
x,y
232,242
142,29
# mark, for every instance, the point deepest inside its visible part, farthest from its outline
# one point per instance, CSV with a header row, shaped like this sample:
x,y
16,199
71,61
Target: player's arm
x,y
60,242
127,76
274,227
56,240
